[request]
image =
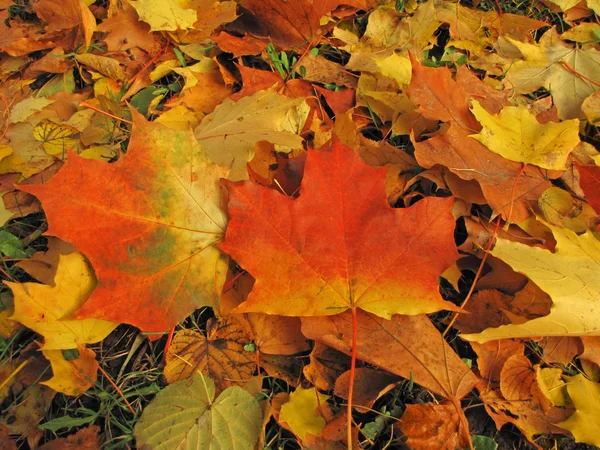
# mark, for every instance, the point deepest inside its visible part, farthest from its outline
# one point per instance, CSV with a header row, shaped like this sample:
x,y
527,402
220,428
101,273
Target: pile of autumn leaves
x,y
298,243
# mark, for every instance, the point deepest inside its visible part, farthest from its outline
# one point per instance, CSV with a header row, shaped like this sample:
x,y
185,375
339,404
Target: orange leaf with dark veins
x,y
339,245
147,223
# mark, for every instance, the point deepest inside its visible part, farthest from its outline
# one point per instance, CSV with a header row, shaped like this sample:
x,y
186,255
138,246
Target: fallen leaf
x,y
165,195
585,395
434,426
590,183
47,309
84,439
220,355
516,378
287,23
169,15
516,134
550,63
568,275
429,361
300,412
369,386
187,414
302,276
229,133
72,377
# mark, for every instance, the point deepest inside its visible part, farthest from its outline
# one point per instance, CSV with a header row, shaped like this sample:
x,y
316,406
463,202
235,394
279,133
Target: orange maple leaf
x,y
340,245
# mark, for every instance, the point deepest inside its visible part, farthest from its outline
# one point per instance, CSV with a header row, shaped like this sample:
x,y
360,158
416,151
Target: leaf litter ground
x,y
121,119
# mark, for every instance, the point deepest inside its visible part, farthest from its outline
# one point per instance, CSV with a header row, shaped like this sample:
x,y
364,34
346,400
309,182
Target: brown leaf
x,y
517,378
125,30
492,356
369,385
433,426
239,46
428,360
561,349
61,15
591,352
220,354
486,312
84,439
288,24
276,335
326,365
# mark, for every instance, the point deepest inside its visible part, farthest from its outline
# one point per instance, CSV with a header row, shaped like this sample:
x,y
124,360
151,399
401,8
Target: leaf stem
x,y
87,105
119,391
352,375
477,275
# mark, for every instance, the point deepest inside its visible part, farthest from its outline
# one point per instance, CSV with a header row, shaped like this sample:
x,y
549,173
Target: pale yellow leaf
x,y
569,276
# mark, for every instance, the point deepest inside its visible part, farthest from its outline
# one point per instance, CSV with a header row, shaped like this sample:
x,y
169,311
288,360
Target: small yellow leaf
x,y
167,15
72,377
44,308
551,384
585,395
56,138
515,134
179,118
569,276
397,67
301,414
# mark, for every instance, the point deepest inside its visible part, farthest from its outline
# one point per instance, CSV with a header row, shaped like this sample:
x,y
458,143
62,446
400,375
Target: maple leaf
x,y
162,219
429,361
569,73
569,276
439,96
339,245
516,134
287,23
229,133
169,15
45,308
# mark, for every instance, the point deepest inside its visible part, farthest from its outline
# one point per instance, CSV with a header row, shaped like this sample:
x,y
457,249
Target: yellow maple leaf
x,y
569,276
45,309
583,423
229,133
516,134
300,412
570,74
167,15
72,377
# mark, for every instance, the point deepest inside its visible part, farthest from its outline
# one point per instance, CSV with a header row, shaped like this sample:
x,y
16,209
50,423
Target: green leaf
x,y
67,422
484,443
12,247
184,415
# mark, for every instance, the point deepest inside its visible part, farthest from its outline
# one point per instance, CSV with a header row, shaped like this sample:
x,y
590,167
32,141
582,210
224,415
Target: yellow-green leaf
x,y
185,415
